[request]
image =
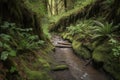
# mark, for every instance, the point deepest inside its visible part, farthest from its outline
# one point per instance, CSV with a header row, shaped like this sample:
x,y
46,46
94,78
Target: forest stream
x,y
59,39
77,70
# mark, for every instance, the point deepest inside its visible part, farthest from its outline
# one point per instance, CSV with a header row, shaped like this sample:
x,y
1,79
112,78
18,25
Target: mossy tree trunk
x,y
16,11
115,12
56,7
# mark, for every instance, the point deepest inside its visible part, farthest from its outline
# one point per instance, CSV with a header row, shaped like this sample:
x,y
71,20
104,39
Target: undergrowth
x,y
92,30
14,40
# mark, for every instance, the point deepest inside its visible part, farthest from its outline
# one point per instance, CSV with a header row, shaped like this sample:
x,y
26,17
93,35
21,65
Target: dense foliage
x,y
92,26
96,40
14,39
92,30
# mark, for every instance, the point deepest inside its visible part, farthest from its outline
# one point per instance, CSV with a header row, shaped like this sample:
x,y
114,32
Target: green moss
x,y
75,10
37,75
60,67
85,53
98,57
76,45
36,6
44,63
113,69
65,35
101,53
70,38
80,50
35,67
112,66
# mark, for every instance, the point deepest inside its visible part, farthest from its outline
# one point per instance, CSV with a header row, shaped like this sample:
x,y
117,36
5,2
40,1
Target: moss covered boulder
x,y
100,54
37,75
81,50
111,64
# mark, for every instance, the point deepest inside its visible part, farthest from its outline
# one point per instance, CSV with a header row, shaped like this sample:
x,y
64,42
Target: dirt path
x,y
77,71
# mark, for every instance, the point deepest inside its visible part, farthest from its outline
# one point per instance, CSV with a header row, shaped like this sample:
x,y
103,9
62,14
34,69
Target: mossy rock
x,y
76,45
80,50
37,75
60,67
112,66
85,53
100,54
114,69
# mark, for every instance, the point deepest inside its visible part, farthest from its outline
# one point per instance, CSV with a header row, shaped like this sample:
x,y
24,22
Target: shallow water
x,y
77,69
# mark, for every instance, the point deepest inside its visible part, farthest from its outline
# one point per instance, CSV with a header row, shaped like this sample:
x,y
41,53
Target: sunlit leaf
x,y
4,55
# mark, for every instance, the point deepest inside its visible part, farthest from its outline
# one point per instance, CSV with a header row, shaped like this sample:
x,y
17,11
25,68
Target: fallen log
x,y
63,43
63,46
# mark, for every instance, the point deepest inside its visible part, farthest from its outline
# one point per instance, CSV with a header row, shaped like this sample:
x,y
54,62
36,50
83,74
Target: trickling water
x,y
76,65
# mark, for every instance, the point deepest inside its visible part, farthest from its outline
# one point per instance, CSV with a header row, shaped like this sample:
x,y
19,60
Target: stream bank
x,y
76,66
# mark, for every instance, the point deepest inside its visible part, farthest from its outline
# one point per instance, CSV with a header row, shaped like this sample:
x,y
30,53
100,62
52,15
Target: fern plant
x,y
74,30
7,50
83,29
104,30
13,39
115,47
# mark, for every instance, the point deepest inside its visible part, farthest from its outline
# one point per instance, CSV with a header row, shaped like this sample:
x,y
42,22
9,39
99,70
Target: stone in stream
x,y
84,76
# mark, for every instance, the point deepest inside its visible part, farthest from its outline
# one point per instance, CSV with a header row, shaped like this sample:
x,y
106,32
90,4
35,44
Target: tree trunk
x,y
16,11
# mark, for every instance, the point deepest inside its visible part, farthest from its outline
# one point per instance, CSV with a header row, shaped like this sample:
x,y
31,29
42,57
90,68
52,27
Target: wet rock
x,y
60,67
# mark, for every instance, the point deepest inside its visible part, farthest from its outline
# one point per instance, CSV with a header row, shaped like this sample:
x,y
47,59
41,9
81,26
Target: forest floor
x,y
64,55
